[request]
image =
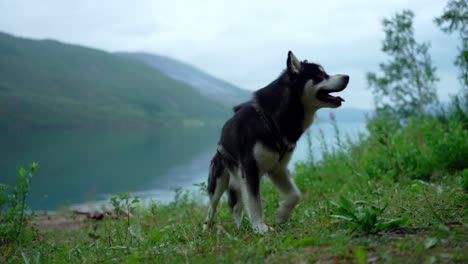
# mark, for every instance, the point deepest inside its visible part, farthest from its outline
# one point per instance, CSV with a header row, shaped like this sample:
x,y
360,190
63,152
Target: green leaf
x,y
361,202
347,218
21,172
334,203
391,224
33,166
360,255
431,242
346,204
25,258
309,241
155,235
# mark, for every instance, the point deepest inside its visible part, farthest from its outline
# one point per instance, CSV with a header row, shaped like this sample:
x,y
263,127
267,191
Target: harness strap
x,y
282,145
223,152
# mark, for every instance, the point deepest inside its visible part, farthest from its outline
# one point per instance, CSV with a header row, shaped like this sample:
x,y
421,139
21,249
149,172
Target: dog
x,y
261,136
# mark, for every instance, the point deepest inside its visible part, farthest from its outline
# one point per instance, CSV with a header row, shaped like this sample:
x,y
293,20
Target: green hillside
x,y
45,83
208,85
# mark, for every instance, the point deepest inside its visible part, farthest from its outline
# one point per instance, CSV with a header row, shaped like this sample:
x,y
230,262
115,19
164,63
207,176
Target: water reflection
x,y
78,166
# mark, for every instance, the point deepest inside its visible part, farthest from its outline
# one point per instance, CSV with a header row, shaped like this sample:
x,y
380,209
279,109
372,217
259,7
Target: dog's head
x,y
315,84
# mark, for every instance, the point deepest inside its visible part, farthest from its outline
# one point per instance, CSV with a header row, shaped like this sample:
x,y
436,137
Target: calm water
x,y
76,167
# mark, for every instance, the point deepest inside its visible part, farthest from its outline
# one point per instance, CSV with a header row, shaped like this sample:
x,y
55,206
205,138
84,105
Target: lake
x,y
80,166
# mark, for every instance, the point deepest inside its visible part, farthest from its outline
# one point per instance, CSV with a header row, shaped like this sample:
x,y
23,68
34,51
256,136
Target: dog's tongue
x,y
336,98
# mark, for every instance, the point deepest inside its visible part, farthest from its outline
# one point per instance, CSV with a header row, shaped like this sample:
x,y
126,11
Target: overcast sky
x,y
242,42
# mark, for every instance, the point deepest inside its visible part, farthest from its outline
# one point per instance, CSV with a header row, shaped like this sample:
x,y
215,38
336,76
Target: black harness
x,y
226,154
281,143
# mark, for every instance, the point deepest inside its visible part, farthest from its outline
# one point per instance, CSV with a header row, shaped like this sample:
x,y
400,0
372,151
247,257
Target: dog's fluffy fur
x,y
249,146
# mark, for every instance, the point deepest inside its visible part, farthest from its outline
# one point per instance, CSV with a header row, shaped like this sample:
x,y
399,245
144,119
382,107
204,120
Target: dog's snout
x,y
346,78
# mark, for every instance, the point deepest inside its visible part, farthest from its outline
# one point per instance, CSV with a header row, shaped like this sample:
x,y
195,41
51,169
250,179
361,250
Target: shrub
x,y
449,146
415,149
13,208
364,216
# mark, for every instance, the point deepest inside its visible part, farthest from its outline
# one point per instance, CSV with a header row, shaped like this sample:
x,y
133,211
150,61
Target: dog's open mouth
x,y
325,97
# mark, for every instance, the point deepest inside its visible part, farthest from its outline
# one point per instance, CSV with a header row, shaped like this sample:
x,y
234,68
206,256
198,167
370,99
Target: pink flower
x,y
332,116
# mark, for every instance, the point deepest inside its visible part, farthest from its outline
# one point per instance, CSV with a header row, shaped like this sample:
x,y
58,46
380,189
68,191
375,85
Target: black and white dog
x,y
260,138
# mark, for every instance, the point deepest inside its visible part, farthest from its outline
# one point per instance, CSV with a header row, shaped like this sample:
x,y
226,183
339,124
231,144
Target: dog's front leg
x,y
252,202
254,211
291,194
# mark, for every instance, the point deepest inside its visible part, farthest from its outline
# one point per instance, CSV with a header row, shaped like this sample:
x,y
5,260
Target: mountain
x,y
45,83
209,86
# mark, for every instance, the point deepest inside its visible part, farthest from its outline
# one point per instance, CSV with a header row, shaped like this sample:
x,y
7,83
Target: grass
x,y
393,196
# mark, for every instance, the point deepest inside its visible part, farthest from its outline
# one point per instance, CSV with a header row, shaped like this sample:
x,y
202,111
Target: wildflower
x,y
332,116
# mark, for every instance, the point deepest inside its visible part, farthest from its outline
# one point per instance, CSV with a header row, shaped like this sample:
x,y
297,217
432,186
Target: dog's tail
x,y
221,159
216,170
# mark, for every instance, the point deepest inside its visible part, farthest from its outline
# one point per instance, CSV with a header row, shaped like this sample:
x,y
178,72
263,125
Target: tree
x,y
407,84
455,18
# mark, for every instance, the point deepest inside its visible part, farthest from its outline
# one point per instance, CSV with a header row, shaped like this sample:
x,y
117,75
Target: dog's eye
x,y
322,70
323,73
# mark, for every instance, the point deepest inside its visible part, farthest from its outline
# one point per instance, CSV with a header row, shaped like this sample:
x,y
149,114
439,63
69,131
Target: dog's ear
x,y
294,65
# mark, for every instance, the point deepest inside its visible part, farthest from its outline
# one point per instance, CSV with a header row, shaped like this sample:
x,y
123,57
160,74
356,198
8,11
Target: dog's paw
x,y
262,228
283,216
206,226
238,221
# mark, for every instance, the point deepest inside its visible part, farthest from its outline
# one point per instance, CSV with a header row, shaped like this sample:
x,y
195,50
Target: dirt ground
x,y
68,220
